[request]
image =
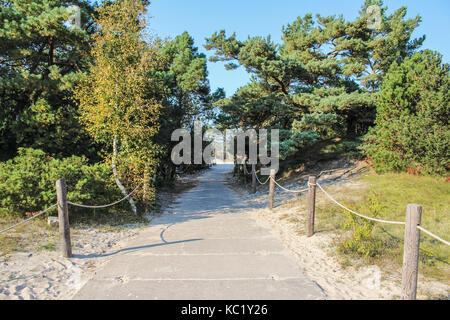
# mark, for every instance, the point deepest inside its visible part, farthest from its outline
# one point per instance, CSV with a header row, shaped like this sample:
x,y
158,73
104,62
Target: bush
x,y
362,242
412,132
27,183
353,149
299,141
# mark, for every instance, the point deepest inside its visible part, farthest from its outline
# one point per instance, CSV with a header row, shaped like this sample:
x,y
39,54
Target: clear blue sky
x,y
201,18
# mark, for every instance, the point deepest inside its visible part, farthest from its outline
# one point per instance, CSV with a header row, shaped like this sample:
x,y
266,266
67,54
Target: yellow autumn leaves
x,y
114,98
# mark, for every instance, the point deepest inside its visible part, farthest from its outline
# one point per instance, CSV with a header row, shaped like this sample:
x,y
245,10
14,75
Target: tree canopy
x,y
185,94
114,102
41,59
325,67
412,125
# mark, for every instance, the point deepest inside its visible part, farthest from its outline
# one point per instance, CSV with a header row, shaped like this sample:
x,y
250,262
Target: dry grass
x,y
33,236
392,192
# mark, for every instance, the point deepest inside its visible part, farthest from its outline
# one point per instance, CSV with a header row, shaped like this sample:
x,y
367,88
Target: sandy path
x,y
207,247
214,243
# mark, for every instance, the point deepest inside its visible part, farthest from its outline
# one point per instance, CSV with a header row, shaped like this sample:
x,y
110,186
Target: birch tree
x,y
113,99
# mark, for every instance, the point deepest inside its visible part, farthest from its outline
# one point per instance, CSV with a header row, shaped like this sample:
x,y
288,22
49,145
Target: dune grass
x,y
386,196
32,236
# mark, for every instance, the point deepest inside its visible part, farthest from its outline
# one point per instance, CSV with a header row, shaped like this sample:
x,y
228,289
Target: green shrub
x,y
326,125
27,183
362,241
353,149
412,132
299,141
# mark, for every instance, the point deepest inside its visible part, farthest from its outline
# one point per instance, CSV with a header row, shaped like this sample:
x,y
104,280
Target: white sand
x,y
47,275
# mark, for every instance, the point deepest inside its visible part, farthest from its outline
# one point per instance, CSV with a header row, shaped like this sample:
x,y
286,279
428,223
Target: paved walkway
x,y
208,247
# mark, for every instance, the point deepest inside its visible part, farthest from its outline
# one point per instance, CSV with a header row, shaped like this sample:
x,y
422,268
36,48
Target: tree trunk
x,y
116,177
146,194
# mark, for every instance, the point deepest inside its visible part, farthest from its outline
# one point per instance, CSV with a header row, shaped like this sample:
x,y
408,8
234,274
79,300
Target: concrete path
x,y
208,247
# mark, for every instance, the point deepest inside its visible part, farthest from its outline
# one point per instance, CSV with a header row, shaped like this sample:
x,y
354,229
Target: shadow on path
x,y
132,249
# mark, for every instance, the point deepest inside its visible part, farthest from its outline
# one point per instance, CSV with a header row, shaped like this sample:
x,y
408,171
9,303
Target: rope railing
x,y
73,204
260,180
433,235
344,207
287,190
327,171
246,172
412,225
356,213
379,220
63,214
28,220
106,205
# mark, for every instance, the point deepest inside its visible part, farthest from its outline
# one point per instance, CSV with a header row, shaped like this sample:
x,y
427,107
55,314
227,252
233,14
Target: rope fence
x,y
259,181
356,213
106,205
28,220
433,235
63,215
292,191
410,267
412,223
269,178
379,220
412,226
283,188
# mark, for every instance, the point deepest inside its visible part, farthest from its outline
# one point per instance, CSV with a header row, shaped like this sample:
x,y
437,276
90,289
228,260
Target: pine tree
x,y
325,66
186,94
412,126
42,58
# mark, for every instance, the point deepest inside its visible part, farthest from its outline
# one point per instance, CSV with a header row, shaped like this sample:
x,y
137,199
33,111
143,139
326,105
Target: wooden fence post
x,y
311,206
410,268
63,217
253,178
272,188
